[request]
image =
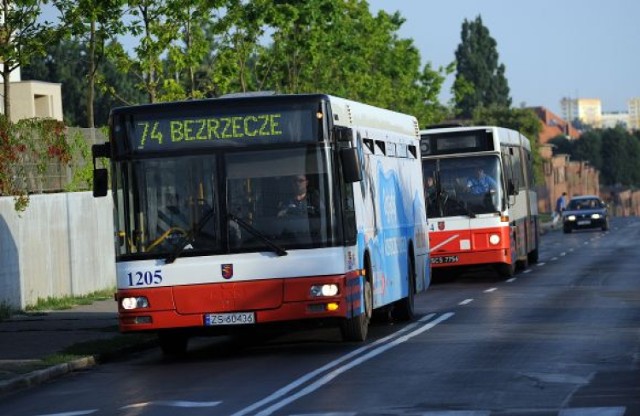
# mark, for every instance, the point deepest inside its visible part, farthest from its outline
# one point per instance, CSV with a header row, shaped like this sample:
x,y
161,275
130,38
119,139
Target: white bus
x,y
482,207
240,211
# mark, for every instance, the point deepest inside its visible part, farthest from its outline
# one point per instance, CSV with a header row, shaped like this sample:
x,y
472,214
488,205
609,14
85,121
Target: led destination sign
x,y
174,132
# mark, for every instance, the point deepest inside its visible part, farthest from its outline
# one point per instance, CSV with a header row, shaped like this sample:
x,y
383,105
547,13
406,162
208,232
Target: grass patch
x,y
68,302
5,311
545,216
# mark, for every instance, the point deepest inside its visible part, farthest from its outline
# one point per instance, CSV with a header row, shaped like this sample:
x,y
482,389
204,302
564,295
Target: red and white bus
x,y
239,211
482,207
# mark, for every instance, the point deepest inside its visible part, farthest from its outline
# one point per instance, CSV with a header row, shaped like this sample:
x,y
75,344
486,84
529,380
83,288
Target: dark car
x,y
585,211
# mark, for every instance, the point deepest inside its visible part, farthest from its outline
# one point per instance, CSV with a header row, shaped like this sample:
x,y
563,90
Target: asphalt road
x,y
560,338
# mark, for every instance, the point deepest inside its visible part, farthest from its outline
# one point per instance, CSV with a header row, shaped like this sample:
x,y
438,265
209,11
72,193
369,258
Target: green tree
x,y
63,62
93,22
193,18
151,24
342,49
23,36
562,145
480,79
620,156
588,148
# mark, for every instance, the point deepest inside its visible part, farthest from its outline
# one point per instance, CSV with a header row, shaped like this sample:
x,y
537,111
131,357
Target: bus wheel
x,y
404,309
506,270
173,343
533,256
356,329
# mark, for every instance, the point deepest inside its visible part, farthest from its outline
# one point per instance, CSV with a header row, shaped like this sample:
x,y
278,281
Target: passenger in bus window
x,y
430,188
481,183
302,202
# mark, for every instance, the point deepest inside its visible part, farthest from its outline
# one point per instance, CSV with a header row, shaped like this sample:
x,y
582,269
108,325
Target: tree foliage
x,y
94,22
23,36
25,144
614,152
62,64
190,49
480,80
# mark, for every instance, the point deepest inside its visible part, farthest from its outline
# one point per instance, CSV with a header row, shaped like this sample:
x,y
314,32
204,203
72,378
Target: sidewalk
x,y
27,340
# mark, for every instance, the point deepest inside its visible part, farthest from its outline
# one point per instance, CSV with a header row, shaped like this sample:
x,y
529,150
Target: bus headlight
x,y
139,302
494,239
324,290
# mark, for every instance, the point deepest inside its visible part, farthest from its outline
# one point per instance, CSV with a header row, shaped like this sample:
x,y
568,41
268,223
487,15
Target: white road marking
x,y
377,348
513,279
493,289
466,301
172,403
76,413
593,411
458,413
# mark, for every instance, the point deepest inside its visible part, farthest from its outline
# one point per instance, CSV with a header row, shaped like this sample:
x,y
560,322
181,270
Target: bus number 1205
x,y
146,278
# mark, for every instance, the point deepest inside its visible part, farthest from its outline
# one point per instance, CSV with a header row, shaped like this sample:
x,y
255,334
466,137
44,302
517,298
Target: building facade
x,y
634,113
587,110
33,99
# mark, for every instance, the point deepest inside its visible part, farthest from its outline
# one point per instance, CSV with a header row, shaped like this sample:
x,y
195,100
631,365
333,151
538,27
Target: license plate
x,y
237,318
587,222
444,259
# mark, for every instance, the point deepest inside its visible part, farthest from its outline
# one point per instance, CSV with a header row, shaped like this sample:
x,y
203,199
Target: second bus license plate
x,y
444,259
237,318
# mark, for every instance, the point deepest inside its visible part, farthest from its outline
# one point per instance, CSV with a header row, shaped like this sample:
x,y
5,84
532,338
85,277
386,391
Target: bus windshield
x,y
463,186
224,202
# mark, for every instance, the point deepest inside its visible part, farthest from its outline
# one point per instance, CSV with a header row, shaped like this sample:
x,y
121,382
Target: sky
x,y
550,48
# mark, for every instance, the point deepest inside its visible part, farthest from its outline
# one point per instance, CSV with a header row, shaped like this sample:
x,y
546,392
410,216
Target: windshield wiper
x,y
189,238
251,229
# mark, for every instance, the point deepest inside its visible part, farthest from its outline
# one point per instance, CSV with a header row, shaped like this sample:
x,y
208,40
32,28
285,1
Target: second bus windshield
x,y
463,186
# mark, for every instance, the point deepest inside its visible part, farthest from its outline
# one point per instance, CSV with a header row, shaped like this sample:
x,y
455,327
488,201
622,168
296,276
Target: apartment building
x,y
634,113
587,110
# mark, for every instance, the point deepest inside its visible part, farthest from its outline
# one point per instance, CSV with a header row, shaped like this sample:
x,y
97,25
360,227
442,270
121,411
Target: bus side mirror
x,y
350,165
100,176
100,182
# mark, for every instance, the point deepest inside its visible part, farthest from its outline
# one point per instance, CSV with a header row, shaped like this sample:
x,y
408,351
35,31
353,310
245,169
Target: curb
x,y
37,377
40,376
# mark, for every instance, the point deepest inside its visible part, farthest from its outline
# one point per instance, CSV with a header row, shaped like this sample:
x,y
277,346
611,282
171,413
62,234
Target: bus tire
x,y
533,256
404,309
173,343
506,270
357,328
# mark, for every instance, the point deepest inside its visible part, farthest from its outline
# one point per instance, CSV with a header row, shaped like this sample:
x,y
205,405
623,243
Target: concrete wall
x,y
62,245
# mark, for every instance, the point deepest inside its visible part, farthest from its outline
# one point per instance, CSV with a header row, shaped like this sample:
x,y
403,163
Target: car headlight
x,y
595,216
570,218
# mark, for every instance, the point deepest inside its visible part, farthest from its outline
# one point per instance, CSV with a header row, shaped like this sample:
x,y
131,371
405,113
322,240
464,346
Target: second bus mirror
x,y
350,165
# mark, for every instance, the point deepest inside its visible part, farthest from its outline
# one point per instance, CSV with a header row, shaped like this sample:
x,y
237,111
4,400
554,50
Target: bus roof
x,y
505,135
346,112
